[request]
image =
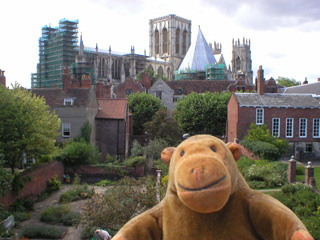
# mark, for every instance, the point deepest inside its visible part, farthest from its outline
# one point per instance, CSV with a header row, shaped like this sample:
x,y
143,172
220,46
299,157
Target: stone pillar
x,y
158,185
309,173
292,170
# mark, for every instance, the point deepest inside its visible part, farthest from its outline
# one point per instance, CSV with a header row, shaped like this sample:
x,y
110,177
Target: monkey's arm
x,y
273,220
146,226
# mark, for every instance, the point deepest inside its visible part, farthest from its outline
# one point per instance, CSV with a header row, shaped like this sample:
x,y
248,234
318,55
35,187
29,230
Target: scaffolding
x,y
215,71
184,75
57,49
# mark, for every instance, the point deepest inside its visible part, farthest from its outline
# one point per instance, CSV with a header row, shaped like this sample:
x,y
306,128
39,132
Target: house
x,y
294,117
78,102
2,78
113,125
170,91
129,86
311,88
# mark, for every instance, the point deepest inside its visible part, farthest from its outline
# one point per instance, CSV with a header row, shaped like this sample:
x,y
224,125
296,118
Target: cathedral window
x,y
157,38
178,41
238,64
165,40
184,42
160,71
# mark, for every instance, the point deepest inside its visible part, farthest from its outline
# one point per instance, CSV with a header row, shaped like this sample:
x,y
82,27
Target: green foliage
x,y
77,179
159,164
143,106
26,126
203,113
120,203
79,153
104,183
5,180
113,165
287,82
53,184
21,216
60,215
137,149
304,202
164,127
155,147
3,213
17,183
262,133
85,133
149,71
43,232
77,193
263,149
134,161
22,205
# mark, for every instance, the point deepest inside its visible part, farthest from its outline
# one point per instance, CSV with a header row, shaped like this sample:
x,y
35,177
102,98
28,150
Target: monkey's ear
x,y
235,150
166,154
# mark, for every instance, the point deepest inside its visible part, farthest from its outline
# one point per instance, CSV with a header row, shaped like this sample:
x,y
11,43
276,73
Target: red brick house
x,y
295,117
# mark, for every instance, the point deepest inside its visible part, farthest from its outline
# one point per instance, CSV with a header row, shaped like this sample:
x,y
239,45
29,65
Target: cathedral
x,y
169,44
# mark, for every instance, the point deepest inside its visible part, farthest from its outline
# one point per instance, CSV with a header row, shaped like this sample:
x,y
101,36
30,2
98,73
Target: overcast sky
x,y
284,34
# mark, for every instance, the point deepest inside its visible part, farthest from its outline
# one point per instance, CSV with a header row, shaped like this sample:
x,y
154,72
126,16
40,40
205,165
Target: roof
x,y
312,88
55,96
112,108
198,86
198,56
277,100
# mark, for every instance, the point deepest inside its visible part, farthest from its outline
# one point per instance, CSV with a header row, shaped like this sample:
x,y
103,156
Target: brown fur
x,y
208,199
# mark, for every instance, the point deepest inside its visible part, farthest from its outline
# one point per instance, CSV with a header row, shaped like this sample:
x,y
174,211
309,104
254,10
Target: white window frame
x,y
307,146
303,127
65,127
288,121
316,128
68,101
259,116
276,127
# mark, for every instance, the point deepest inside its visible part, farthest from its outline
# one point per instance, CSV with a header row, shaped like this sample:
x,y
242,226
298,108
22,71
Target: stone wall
x,y
38,176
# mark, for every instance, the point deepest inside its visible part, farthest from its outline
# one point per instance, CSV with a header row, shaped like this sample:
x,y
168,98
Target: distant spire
x,y
81,50
109,49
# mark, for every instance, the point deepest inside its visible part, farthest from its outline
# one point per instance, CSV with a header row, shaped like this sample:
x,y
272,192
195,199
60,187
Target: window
x,y
180,91
129,91
259,116
308,148
302,127
159,94
68,101
66,129
175,99
316,127
289,127
276,127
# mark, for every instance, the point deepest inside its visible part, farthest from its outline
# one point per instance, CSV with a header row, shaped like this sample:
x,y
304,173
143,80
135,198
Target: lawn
x,y
316,176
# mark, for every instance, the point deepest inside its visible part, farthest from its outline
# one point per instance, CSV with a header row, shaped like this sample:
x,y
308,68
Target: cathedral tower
x,y
241,60
169,38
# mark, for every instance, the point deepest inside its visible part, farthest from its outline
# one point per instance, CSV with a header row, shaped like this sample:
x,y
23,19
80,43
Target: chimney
x,y
86,81
260,82
2,78
305,81
66,79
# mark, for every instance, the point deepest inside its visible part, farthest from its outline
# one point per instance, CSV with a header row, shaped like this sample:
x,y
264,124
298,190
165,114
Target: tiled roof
x,y
198,86
112,108
277,100
55,97
313,88
198,56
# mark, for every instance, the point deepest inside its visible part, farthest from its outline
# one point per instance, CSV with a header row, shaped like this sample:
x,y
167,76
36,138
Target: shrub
x,y
104,183
244,163
262,149
3,213
21,216
53,184
22,205
134,161
44,232
77,193
155,147
61,214
137,149
5,180
257,184
113,209
159,164
78,153
294,187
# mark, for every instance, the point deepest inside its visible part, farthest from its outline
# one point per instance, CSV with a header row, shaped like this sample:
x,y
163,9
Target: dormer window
x,y
68,101
180,91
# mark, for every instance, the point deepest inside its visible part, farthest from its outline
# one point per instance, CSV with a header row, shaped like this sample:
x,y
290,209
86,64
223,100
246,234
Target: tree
x,y
85,133
143,106
26,126
164,127
287,82
203,113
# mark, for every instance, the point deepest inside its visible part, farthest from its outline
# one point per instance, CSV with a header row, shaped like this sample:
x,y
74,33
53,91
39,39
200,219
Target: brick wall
x,y
38,182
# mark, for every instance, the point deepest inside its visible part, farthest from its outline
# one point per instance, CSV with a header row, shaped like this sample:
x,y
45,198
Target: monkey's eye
x,y
181,153
213,148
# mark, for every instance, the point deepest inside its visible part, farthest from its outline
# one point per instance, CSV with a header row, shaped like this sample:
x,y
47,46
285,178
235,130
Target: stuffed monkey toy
x,y
208,199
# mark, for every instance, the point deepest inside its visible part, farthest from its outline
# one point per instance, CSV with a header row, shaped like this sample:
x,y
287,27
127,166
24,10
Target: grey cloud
x,y
269,14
